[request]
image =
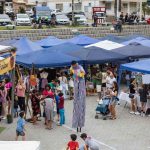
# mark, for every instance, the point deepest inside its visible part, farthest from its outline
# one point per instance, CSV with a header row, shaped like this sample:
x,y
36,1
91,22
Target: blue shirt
x,y
20,124
57,100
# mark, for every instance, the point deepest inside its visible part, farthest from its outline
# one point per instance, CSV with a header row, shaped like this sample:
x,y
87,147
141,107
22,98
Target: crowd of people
x,y
130,18
48,98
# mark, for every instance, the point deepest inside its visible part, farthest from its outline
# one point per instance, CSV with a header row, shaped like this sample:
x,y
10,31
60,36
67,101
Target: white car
x,y
22,19
55,11
4,20
81,19
62,19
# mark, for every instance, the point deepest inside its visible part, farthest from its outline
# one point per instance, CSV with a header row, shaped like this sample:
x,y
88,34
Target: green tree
x,y
21,10
146,8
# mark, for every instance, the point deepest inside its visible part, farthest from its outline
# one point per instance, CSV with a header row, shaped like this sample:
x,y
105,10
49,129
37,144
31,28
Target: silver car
x,y
4,20
62,19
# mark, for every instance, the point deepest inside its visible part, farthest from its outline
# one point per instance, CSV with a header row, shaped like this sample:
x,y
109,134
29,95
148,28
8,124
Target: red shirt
x,y
73,145
48,93
61,103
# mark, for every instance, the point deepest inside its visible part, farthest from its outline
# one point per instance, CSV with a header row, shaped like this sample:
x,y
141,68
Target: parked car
x,y
4,20
81,19
55,11
43,13
62,19
22,19
69,15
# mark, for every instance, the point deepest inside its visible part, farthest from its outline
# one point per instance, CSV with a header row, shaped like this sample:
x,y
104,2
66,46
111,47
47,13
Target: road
x,y
127,132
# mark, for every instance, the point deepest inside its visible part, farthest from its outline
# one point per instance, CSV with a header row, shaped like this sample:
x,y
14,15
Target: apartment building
x,y
127,6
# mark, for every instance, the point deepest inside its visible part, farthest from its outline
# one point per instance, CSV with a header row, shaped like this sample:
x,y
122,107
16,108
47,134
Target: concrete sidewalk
x,y
128,132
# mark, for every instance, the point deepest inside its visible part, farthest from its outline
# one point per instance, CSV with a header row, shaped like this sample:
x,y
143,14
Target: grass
x,y
44,27
2,129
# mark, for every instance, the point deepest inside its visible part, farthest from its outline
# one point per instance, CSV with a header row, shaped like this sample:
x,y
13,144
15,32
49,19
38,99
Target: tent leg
x,y
12,93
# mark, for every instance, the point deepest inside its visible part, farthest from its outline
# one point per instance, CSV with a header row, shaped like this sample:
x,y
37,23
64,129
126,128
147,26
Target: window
x,y
108,6
86,9
59,6
77,6
125,5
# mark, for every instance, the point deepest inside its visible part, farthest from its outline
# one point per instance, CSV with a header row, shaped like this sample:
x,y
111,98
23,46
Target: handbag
x,y
131,95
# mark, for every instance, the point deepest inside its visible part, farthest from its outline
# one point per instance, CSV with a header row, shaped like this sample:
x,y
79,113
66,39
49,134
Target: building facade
x,y
25,4
127,6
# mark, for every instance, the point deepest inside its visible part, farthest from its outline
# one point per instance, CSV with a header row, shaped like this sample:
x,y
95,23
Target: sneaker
x,y
137,113
3,118
131,112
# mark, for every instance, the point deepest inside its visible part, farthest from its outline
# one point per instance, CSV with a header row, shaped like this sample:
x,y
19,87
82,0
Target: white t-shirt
x,y
110,82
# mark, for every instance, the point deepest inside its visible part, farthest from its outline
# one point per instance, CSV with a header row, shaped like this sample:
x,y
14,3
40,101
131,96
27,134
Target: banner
x,y
7,64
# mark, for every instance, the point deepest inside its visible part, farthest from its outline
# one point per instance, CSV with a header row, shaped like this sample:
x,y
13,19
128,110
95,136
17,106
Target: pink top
x,y
8,85
21,90
48,93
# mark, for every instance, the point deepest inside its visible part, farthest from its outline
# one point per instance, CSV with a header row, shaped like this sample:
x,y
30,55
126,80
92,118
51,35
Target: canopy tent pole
x,y
119,79
12,93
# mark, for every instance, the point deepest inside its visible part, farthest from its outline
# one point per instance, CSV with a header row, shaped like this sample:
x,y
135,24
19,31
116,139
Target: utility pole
x,y
72,12
140,10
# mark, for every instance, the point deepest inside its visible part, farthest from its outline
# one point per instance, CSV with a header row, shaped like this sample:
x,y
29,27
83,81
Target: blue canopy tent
x,y
142,66
9,42
45,58
24,45
82,40
121,39
95,55
134,50
64,48
50,41
114,38
143,41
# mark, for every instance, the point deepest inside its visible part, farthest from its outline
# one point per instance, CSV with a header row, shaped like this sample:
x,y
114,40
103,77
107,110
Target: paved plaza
x,y
128,132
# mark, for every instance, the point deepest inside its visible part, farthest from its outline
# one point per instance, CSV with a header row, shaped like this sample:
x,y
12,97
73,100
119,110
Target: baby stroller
x,y
102,108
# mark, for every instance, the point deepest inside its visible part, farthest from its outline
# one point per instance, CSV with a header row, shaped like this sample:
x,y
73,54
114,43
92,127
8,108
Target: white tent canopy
x,y
19,145
1,58
4,48
106,44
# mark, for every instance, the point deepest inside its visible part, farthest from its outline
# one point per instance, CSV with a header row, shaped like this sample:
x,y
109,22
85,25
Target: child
x,y
57,106
71,88
73,145
20,127
61,109
89,143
